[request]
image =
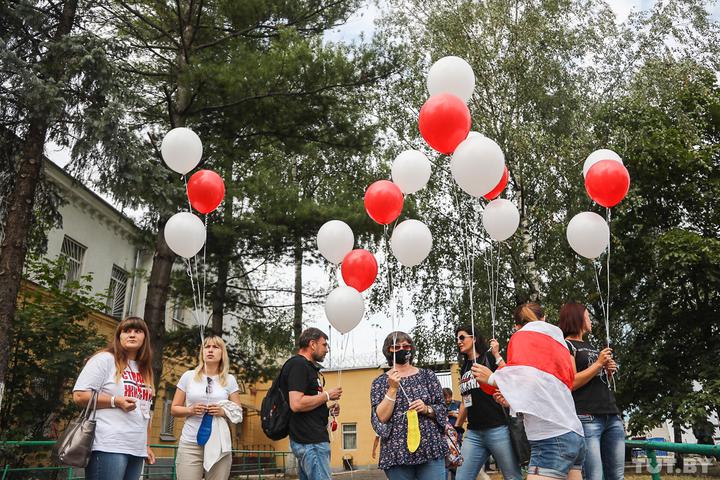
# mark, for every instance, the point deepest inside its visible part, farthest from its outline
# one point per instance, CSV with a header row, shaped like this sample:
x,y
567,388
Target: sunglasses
x,y
396,348
461,338
208,389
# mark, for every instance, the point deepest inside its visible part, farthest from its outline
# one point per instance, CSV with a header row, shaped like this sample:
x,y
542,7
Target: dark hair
x,y
310,334
572,318
481,344
447,391
143,357
528,312
392,338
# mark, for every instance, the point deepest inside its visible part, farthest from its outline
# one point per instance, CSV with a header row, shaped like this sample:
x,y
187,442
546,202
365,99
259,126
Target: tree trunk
x,y
297,318
220,293
22,199
533,281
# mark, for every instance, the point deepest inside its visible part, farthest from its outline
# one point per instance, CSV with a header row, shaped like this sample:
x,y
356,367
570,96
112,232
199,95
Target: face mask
x,y
402,357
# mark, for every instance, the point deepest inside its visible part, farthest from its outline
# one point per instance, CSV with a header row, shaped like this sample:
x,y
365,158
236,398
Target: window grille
x,y
116,292
73,253
349,436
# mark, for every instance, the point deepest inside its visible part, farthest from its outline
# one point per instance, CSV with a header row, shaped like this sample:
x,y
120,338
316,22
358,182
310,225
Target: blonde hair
x,y
224,366
528,312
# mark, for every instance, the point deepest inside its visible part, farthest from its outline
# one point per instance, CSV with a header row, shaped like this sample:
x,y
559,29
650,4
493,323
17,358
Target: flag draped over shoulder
x,y
538,377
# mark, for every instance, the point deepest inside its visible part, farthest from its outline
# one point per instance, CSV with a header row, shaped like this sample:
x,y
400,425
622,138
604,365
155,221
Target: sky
x,y
362,345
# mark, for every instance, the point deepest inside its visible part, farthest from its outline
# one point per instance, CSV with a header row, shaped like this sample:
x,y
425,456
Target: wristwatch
x,y
429,410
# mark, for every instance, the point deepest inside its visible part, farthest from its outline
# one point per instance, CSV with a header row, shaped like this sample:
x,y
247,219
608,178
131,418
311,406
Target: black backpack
x,y
275,411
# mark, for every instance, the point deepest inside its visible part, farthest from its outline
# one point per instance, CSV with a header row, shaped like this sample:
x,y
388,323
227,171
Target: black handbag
x,y
519,439
74,446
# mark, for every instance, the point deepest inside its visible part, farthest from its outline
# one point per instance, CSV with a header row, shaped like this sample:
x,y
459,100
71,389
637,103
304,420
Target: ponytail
x,y
528,312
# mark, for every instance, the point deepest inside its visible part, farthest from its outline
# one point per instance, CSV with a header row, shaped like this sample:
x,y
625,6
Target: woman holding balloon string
x,y
409,415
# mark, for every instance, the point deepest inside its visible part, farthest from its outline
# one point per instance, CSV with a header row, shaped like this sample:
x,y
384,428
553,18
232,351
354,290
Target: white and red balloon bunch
x,y
185,232
607,181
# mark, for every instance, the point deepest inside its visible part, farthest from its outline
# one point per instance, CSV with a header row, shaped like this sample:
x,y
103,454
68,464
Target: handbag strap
x,y
91,407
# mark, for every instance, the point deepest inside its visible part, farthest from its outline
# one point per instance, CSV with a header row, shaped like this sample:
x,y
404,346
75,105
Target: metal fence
x,y
651,447
246,464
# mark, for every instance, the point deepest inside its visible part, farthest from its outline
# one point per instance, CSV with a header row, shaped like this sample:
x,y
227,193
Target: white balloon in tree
x,y
181,149
344,308
588,234
411,171
334,240
185,234
598,155
477,165
411,242
501,219
451,75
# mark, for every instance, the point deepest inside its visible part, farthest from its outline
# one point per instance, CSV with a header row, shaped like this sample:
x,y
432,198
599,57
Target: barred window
x,y
349,436
73,252
116,292
168,421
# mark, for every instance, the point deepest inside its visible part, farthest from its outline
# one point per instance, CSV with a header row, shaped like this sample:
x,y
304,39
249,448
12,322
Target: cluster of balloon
x,y
607,182
185,232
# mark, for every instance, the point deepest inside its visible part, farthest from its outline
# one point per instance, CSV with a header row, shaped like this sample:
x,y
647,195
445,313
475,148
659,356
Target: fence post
x,y
653,464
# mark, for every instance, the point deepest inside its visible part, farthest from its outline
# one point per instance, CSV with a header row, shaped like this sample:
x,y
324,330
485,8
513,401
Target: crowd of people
x,y
552,379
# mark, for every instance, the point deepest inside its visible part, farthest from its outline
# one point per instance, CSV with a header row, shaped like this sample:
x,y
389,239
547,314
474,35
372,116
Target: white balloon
x,y
477,165
344,308
588,234
181,149
597,155
411,171
472,134
501,219
185,234
411,242
334,240
451,75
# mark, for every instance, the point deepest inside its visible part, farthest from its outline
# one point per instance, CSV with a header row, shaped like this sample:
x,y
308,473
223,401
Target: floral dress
x,y
425,386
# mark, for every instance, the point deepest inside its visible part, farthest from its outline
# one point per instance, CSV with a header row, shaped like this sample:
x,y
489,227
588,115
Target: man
x,y
308,401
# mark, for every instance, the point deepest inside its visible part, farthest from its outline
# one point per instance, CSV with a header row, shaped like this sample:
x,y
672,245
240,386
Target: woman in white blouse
x,y
206,392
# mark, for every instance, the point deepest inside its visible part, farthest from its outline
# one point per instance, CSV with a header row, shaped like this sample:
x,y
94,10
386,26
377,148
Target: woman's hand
x,y
604,357
494,348
150,456
393,379
611,366
127,404
481,373
499,398
419,406
215,410
197,409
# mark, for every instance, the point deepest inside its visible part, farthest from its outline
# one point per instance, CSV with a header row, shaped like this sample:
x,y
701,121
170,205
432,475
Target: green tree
x,y
50,341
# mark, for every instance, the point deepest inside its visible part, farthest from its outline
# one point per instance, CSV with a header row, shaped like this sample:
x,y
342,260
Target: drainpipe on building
x,y
131,311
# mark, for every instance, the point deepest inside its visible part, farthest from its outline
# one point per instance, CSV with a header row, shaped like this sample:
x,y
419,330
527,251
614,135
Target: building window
x,y
116,292
349,436
177,311
73,253
168,421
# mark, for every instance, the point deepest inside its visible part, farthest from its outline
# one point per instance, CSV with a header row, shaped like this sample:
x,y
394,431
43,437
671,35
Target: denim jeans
x,y
114,466
431,470
313,460
605,443
477,447
555,456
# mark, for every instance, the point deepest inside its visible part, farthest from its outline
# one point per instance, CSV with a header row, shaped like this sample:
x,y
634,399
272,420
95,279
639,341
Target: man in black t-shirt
x,y
308,401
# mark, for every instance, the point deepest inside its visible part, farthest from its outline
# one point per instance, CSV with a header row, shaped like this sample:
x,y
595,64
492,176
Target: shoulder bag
x,y
74,446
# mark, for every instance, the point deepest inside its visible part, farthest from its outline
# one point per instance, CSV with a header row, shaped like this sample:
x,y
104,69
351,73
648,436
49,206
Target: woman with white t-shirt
x,y
206,391
122,373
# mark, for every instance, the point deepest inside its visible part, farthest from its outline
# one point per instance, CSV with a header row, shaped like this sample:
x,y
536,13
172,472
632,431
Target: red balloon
x,y
205,190
383,201
359,269
444,122
499,187
607,182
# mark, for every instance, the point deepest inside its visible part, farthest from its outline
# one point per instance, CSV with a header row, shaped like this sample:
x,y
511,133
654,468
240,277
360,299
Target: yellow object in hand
x,y
413,432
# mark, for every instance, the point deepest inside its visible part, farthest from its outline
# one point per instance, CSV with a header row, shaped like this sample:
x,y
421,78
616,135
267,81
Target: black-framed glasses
x,y
397,348
208,389
461,338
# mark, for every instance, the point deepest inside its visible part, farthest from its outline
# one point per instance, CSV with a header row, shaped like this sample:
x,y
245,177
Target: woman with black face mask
x,y
402,388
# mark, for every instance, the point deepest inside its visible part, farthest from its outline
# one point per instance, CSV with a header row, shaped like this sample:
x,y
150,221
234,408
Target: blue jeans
x,y
114,466
431,470
313,460
477,447
555,456
605,443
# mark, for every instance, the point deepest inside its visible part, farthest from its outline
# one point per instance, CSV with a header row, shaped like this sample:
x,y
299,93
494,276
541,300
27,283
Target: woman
x,y
122,374
203,391
594,400
487,432
402,388
537,381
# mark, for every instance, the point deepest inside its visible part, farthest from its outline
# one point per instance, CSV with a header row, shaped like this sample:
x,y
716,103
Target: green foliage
x,y
50,342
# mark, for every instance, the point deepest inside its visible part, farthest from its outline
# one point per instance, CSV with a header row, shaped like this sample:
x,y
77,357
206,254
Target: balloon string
x,y
468,259
607,272
596,268
200,316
